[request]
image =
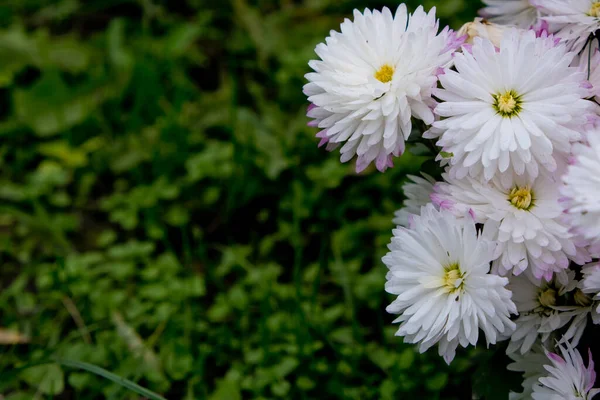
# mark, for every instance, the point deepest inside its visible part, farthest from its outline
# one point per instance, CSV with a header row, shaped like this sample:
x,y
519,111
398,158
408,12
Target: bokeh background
x,y
165,213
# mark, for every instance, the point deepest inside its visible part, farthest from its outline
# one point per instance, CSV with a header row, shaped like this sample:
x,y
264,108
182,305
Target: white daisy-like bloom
x,y
581,191
531,364
513,109
572,20
544,308
372,78
591,286
567,377
523,215
520,13
417,191
439,269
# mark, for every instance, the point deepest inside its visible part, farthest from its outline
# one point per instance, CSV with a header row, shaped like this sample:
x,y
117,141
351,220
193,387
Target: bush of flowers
x,y
501,246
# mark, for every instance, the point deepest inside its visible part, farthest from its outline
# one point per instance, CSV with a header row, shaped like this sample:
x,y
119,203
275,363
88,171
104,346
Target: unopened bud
x,y
484,29
581,298
548,298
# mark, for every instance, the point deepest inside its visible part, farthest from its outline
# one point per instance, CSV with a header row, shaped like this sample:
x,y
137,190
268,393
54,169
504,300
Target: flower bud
x,y
548,298
482,28
581,298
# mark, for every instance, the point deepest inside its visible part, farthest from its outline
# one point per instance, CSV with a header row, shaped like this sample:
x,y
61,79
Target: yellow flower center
x,y
507,104
385,73
595,10
521,197
453,278
547,298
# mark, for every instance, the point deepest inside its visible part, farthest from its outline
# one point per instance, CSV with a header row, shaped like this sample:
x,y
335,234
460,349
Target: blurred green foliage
x,y
165,213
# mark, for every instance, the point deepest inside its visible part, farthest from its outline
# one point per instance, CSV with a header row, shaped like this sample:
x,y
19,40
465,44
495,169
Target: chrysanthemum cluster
x,y
502,241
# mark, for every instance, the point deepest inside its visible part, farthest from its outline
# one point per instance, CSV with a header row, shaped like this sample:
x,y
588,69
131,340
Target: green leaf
x,y
19,49
387,389
181,38
493,380
61,150
226,390
134,387
437,382
19,396
215,161
286,367
49,106
406,358
118,54
48,379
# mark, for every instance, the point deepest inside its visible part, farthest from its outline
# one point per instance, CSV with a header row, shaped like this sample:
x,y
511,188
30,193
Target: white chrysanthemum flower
x,y
416,191
440,271
522,215
581,192
513,109
545,307
591,285
531,364
573,20
518,13
568,378
372,78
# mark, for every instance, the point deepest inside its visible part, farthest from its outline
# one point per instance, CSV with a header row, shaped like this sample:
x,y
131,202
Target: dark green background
x,y
165,213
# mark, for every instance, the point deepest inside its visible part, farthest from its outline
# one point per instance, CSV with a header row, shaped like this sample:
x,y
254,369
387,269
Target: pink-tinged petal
x,y
361,164
453,40
558,359
468,48
440,202
411,221
313,123
381,162
440,71
547,275
484,14
574,230
331,146
447,205
399,150
322,134
435,198
390,161
586,85
323,142
593,119
310,107
472,213
591,373
541,29
535,3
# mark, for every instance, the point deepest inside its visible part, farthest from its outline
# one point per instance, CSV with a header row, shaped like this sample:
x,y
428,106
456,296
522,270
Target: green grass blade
x,y
111,377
